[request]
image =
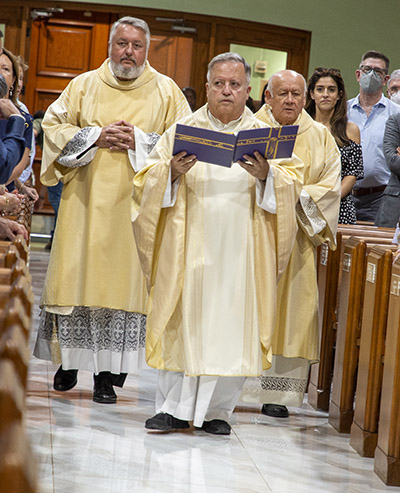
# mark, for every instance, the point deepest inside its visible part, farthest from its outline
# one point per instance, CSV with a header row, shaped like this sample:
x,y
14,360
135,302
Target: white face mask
x,y
395,97
370,82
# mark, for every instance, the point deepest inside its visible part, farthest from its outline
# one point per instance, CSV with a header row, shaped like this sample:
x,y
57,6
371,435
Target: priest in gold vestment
x,y
212,242
97,135
295,343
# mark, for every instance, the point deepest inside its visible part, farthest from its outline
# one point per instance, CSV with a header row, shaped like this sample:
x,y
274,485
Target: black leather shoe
x,y
275,410
65,379
103,391
165,422
118,380
217,427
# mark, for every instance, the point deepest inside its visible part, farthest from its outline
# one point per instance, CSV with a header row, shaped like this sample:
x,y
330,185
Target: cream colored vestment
x,y
296,333
94,260
212,260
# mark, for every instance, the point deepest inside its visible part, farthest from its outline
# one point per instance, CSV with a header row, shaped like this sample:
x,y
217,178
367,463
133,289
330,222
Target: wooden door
x,y
61,48
172,55
294,42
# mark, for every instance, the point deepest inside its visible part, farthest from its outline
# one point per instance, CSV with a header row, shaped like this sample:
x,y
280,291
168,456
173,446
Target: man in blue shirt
x,y
370,110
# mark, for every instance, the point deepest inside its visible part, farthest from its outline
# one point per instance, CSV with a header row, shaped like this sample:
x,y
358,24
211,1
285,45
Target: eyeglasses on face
x,y
367,68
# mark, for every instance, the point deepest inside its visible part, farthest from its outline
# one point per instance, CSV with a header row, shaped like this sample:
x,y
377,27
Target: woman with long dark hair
x,y
326,103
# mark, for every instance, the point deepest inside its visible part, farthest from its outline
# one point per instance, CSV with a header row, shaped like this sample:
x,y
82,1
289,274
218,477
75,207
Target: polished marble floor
x,y
84,447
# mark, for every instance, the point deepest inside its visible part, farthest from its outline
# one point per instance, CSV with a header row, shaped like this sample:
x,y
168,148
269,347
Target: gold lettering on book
x,y
216,144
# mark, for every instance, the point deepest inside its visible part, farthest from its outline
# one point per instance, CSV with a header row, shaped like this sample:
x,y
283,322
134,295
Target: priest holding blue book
x,y
213,241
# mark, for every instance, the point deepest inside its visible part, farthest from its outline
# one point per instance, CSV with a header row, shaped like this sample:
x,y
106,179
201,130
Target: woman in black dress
x,y
326,103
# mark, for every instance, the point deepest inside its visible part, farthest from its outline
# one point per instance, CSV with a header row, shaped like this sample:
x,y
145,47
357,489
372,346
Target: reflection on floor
x,y
84,447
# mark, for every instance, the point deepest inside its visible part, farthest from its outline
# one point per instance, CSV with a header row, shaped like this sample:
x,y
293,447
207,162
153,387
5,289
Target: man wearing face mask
x,y
370,110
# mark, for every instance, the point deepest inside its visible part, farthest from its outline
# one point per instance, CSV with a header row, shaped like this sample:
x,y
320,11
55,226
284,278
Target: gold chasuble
x,y
212,259
94,261
296,333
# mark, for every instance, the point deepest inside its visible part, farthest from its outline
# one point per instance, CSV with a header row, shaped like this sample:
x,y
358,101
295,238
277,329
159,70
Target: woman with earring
x,y
9,68
326,103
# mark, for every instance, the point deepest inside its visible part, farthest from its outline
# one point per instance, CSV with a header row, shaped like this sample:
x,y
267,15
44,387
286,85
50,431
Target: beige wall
x,y
341,29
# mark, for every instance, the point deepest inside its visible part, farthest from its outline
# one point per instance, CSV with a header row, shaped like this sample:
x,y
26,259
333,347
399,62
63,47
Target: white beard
x,y
128,73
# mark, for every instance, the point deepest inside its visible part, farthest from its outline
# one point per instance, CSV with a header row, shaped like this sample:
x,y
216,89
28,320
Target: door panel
x,y
63,47
172,56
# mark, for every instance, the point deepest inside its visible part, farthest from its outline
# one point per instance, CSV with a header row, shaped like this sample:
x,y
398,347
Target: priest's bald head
x,y
128,46
286,95
228,86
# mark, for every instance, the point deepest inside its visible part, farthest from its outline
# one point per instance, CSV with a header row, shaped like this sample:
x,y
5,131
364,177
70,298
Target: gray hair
x,y
394,75
230,57
132,21
276,74
3,87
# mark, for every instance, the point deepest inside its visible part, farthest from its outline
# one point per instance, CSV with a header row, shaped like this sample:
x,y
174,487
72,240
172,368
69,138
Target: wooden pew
x,y
18,471
319,388
8,276
12,396
348,331
387,453
14,348
364,430
20,245
20,288
328,283
18,468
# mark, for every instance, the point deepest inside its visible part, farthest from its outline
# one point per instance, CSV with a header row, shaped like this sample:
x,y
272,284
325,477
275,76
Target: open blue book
x,y
224,149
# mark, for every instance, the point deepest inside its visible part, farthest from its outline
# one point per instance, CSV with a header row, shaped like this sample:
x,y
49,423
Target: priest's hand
x,y
256,165
181,164
118,136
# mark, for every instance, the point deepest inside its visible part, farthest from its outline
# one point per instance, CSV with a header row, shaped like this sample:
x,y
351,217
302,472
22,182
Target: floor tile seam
x,y
51,432
252,460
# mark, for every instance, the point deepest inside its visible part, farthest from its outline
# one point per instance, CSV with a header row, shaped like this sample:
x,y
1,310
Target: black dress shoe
x,y
103,391
275,410
118,380
165,422
217,427
65,379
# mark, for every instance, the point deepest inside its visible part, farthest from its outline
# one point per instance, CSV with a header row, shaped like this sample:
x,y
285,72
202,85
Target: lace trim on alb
x,y
72,155
259,385
96,329
307,213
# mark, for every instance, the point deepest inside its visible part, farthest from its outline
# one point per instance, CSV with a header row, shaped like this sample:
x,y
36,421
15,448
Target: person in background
x,y
190,95
295,340
211,251
12,145
53,192
250,104
326,103
393,86
10,70
370,110
94,297
389,209
24,181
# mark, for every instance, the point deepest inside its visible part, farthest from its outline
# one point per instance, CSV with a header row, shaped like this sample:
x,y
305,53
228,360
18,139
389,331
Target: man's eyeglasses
x,y
367,68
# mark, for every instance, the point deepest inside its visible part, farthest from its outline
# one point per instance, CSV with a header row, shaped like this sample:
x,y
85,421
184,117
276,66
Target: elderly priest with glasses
x,y
212,241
